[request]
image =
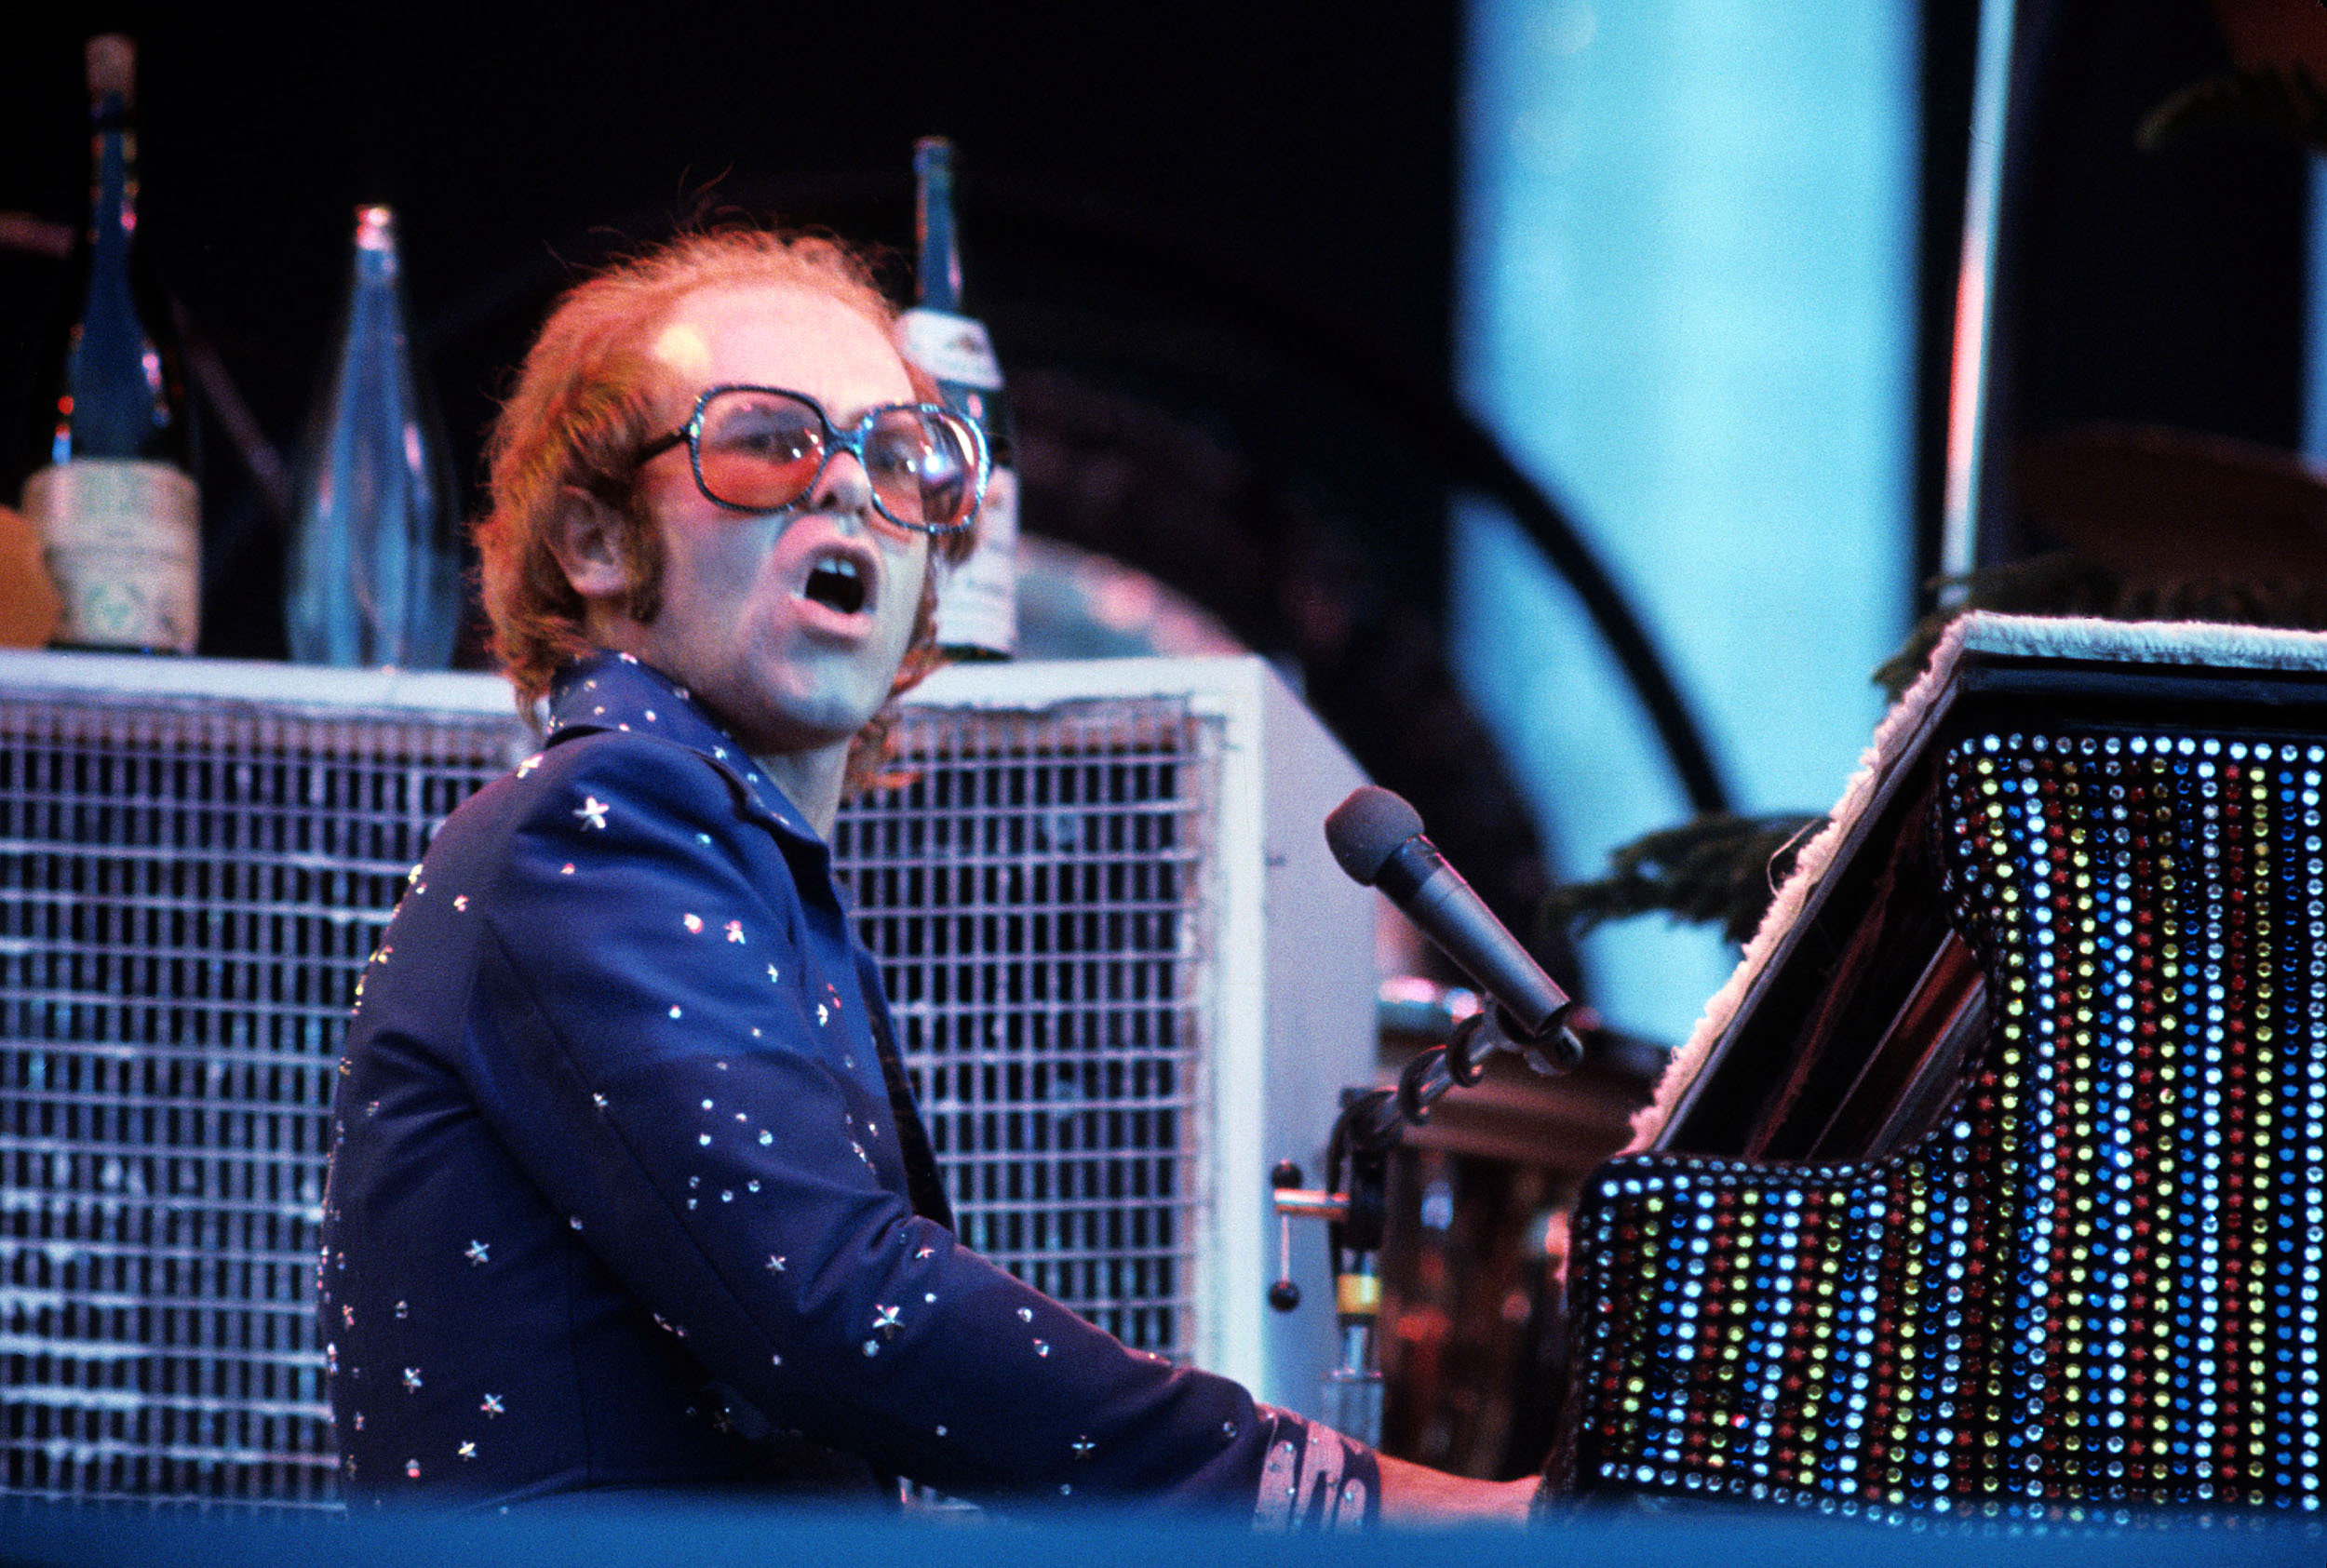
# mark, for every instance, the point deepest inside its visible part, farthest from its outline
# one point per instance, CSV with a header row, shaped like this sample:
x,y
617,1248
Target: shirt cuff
x,y
1315,1478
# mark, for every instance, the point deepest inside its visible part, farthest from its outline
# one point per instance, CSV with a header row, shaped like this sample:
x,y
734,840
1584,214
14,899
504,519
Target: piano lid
x,y
1841,1032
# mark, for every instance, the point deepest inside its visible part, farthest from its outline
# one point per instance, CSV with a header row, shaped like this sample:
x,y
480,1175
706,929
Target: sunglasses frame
x,y
850,441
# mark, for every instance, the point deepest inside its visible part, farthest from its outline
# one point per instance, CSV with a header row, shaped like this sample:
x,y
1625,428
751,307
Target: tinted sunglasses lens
x,y
760,451
924,467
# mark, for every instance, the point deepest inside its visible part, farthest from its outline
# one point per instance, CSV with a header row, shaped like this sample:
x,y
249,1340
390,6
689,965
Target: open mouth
x,y
835,583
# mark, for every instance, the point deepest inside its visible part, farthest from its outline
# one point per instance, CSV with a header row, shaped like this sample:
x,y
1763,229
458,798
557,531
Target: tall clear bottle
x,y
977,601
375,572
112,490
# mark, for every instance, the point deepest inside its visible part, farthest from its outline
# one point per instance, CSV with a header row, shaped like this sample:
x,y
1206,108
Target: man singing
x,y
627,1188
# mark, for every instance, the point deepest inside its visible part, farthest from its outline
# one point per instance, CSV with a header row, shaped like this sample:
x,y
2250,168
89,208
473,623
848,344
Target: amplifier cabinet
x,y
1126,979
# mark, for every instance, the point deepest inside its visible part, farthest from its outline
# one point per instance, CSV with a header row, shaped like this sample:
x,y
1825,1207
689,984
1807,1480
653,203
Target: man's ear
x,y
588,538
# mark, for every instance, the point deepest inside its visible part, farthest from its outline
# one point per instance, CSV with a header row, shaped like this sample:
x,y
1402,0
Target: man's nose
x,y
842,487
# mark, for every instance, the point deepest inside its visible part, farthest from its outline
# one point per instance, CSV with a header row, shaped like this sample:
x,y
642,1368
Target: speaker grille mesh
x,y
1031,888
187,895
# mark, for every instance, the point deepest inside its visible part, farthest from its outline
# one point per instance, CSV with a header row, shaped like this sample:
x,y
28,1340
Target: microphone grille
x,y
1365,830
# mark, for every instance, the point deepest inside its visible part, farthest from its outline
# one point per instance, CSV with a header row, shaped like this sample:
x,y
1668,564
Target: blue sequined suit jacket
x,y
626,1190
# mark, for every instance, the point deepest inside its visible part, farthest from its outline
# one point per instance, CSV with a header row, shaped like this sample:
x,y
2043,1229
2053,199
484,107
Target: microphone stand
x,y
1354,1200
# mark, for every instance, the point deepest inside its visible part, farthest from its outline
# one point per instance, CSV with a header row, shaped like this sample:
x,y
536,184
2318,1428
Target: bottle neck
x,y
116,389
375,296
937,284
372,382
113,204
376,257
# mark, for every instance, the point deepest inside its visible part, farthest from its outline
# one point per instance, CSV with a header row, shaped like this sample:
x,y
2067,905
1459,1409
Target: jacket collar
x,y
603,690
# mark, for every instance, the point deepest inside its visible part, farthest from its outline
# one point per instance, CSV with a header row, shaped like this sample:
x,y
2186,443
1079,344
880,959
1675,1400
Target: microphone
x,y
1377,838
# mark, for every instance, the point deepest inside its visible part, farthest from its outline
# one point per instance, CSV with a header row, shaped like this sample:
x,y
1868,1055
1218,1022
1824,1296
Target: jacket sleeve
x,y
646,1047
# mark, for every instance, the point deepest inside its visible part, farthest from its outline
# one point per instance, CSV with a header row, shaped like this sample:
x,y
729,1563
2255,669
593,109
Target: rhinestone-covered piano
x,y
2006,1149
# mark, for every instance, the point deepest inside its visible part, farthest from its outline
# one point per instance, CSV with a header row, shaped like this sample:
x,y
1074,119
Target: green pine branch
x,y
1720,867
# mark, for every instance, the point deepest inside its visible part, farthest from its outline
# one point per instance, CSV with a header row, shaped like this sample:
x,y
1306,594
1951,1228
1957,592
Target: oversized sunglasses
x,y
762,449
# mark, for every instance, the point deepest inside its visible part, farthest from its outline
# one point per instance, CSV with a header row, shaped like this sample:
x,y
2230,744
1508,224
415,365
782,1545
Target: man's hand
x,y
1413,1495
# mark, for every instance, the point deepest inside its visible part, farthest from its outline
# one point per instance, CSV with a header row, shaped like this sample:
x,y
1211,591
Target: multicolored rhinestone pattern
x,y
2097,1281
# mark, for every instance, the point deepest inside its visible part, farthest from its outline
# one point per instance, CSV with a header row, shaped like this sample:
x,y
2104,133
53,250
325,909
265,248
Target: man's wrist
x,y
1312,1478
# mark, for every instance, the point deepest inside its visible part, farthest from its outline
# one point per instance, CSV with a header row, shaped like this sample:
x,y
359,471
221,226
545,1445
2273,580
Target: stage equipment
x,y
2043,1018
1128,982
1377,838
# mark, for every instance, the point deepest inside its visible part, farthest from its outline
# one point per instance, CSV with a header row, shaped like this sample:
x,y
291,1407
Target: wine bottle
x,y
977,600
374,576
112,490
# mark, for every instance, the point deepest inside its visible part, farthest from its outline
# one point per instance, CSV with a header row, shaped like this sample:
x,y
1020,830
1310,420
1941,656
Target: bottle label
x,y
977,601
950,347
122,541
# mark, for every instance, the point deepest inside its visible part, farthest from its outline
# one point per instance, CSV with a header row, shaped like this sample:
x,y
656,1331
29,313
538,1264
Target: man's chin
x,y
809,724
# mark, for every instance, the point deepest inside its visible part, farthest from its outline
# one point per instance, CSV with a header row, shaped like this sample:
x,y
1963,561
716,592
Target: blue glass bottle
x,y
374,574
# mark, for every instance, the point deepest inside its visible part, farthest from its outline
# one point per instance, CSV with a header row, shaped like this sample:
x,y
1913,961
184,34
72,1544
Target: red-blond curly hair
x,y
582,408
